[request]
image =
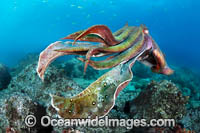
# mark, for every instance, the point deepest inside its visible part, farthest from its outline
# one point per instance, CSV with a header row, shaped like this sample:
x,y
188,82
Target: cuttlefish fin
x,y
98,98
102,32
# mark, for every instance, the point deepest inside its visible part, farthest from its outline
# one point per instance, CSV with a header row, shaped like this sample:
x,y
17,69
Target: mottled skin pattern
x,y
129,44
99,97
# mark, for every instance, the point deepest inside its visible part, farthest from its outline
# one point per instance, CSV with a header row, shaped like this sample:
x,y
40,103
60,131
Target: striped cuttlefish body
x,y
124,47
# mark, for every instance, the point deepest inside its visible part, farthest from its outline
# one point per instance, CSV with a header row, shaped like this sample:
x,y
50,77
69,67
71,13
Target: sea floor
x,y
147,96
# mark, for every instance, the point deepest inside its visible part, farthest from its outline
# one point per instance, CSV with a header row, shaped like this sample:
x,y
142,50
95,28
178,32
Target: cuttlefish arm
x,y
50,53
128,37
89,38
93,38
58,49
122,34
138,47
99,97
101,31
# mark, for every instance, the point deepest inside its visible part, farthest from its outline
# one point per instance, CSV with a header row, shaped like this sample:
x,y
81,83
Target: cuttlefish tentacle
x,y
139,45
99,97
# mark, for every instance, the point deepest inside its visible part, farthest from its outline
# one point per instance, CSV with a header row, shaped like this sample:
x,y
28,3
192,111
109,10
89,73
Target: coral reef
x,y
78,70
142,98
159,100
192,120
26,60
182,77
13,111
185,79
55,82
27,94
4,76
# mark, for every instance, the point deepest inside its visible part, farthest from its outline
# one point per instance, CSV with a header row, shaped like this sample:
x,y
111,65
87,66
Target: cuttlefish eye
x,y
145,31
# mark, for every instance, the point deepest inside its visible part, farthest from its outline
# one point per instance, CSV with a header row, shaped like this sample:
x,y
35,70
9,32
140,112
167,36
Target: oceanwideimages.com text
x,y
46,121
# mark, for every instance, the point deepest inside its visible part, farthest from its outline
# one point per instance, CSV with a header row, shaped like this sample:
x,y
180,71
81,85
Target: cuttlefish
x,y
123,48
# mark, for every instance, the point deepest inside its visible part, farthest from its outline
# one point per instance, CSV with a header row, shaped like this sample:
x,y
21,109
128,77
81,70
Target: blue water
x,y
31,25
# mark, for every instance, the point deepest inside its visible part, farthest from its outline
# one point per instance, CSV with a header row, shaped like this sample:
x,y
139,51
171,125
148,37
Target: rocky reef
x,y
159,100
147,96
13,111
27,94
192,119
4,77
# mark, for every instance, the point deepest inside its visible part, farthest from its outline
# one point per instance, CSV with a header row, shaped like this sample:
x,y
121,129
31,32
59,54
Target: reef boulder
x,y
55,82
160,100
4,76
75,69
13,111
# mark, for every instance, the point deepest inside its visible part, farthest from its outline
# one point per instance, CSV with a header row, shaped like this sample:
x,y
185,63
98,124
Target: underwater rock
x,y
187,80
155,99
123,100
14,110
75,69
192,120
139,83
4,76
159,100
55,82
186,91
183,78
26,60
28,83
142,71
194,104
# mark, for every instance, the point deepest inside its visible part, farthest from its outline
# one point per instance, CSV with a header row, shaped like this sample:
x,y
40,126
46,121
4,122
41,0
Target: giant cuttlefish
x,y
123,48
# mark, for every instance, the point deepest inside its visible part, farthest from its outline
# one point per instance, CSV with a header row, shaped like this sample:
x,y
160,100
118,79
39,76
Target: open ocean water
x,y
29,26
